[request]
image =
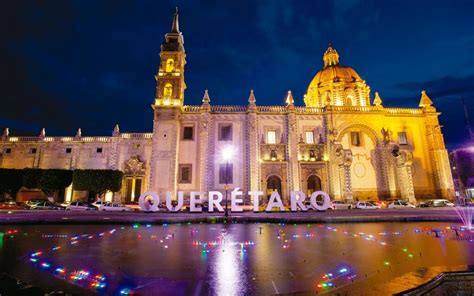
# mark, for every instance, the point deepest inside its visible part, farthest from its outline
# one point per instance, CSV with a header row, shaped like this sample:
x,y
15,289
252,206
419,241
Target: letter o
x,y
143,203
326,204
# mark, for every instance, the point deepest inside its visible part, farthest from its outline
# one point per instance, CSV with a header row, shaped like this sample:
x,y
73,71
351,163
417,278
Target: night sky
x,y
91,64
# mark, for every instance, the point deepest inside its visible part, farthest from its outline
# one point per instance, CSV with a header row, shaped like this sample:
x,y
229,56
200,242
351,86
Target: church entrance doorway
x,y
273,184
314,184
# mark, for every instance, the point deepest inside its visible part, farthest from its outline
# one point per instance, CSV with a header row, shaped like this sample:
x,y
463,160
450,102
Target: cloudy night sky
x,y
91,64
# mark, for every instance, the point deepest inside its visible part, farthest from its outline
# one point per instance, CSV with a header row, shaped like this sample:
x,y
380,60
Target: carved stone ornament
x,y
134,166
387,135
347,157
338,150
205,122
405,158
253,125
293,126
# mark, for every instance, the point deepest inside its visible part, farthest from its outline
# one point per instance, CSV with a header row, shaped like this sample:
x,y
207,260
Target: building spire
x,y
42,133
289,99
425,100
78,134
206,99
377,99
174,40
252,101
116,131
175,24
6,132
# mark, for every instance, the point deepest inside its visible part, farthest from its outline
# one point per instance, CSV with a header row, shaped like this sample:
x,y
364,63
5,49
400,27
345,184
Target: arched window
x,y
168,90
169,65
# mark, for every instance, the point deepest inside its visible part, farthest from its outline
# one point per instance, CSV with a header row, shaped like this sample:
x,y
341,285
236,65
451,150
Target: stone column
x,y
292,152
442,177
345,174
253,151
380,163
204,170
114,154
405,176
165,148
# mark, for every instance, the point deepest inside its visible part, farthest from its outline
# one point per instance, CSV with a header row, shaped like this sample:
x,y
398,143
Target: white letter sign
x,y
275,201
297,200
215,202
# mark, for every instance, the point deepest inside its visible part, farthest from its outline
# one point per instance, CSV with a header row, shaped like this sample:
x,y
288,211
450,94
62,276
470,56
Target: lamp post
x,y
227,154
226,187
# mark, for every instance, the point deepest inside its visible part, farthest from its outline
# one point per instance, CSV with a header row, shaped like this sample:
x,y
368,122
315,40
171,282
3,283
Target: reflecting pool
x,y
233,259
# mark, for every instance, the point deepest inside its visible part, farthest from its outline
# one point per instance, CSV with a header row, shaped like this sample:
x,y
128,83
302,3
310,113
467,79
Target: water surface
x,y
230,259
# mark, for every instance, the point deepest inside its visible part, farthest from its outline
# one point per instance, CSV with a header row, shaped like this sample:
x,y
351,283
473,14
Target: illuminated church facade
x,y
341,141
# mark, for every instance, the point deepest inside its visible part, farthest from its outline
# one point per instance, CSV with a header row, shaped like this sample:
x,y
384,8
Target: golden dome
x,y
336,85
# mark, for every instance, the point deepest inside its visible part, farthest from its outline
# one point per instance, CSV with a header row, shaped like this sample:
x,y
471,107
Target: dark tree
x,y
11,181
99,181
54,180
31,178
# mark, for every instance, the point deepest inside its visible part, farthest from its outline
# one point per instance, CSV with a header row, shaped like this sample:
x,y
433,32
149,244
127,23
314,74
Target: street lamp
x,y
227,154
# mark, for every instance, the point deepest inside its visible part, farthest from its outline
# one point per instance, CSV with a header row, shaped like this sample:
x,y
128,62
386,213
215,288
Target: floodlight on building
x,y
228,153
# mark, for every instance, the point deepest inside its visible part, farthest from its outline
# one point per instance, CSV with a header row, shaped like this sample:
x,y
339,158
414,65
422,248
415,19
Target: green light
x,y
136,225
386,263
405,250
410,255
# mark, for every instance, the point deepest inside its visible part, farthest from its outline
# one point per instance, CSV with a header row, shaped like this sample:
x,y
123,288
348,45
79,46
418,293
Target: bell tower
x,y
167,106
170,84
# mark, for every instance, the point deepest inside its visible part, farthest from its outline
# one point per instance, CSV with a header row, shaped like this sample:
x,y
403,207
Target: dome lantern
x,y
330,57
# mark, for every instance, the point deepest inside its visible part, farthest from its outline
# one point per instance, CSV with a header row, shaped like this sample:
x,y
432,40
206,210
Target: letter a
x,y
275,201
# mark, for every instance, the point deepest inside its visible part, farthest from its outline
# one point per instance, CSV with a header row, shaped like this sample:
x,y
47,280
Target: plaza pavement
x,y
162,217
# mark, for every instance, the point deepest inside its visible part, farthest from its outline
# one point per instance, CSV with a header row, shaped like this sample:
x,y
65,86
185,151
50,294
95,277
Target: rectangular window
x,y
68,150
99,150
185,173
225,132
8,150
225,173
271,137
355,139
402,138
309,137
33,150
188,133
